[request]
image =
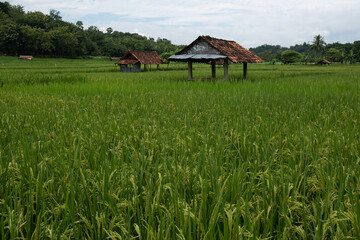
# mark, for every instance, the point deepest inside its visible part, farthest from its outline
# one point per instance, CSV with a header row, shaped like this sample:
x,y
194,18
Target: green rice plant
x,y
87,152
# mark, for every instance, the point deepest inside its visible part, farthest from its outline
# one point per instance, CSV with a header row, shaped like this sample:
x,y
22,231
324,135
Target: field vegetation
x,y
87,152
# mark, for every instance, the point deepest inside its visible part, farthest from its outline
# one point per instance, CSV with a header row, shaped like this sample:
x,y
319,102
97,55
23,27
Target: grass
x,y
87,152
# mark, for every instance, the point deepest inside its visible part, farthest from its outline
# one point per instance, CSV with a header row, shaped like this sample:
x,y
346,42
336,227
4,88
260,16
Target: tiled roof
x,y
144,57
231,49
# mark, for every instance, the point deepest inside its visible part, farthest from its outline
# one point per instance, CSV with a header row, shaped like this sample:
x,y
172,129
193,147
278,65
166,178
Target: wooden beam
x,y
145,68
213,70
226,69
245,71
190,72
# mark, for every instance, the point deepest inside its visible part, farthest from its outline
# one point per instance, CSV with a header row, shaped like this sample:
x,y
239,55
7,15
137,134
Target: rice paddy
x,y
87,152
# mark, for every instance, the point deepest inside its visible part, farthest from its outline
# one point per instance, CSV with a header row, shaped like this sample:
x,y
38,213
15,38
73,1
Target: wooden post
x,y
245,71
213,70
190,73
145,67
157,67
226,69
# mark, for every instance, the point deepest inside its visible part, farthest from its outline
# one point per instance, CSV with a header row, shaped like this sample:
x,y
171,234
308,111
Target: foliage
x,y
8,36
356,50
267,56
350,51
290,56
266,47
36,33
317,45
335,55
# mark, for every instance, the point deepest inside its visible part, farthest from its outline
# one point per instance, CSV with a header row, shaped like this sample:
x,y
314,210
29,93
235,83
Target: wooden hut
x,y
132,60
23,57
206,49
324,61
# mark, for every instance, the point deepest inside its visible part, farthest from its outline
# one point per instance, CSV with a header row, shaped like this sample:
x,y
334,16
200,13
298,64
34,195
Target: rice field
x,y
87,152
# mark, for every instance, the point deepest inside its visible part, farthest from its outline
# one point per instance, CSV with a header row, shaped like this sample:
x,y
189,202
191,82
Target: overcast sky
x,y
251,23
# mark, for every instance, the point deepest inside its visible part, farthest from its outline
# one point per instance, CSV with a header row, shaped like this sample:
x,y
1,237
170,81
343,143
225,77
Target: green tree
x,y
47,46
65,42
109,30
9,37
80,25
290,56
267,56
356,50
278,55
35,19
351,57
55,15
5,7
96,36
31,40
109,47
317,44
335,55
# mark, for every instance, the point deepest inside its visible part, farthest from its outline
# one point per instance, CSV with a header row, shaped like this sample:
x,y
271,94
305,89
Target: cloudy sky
x,y
251,23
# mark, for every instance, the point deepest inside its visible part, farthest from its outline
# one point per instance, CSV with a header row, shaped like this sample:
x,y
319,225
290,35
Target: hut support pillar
x,y
213,70
145,68
245,71
157,67
190,73
226,70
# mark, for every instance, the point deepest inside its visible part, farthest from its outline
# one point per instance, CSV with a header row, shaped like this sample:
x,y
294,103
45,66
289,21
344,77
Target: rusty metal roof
x,y
144,57
230,49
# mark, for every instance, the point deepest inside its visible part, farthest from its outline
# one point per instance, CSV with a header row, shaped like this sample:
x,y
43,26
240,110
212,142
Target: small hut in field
x,y
206,49
132,60
23,57
324,61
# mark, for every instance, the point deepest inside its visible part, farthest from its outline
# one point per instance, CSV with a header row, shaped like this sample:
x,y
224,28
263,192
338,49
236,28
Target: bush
x,y
290,56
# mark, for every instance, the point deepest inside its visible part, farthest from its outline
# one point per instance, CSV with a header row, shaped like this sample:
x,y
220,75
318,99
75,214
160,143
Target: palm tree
x,y
318,44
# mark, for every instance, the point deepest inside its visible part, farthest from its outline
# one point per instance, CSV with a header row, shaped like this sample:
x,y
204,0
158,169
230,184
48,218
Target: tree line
x,y
314,51
39,34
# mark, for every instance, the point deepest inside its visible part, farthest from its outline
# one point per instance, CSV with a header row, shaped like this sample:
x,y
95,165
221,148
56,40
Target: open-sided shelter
x,y
206,49
132,60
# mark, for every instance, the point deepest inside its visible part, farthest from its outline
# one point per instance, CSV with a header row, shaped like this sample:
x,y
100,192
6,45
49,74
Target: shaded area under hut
x,y
132,60
206,49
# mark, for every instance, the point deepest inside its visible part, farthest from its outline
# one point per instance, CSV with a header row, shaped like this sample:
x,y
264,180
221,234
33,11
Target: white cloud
x,y
249,22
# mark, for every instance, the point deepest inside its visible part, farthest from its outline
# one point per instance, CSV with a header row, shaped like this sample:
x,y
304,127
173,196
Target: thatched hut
x,y
206,49
132,60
